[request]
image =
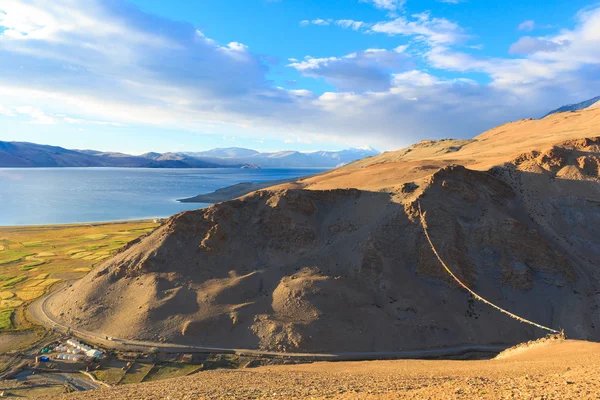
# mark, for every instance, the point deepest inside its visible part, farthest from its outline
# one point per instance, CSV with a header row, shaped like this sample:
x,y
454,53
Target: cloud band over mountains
x,y
107,62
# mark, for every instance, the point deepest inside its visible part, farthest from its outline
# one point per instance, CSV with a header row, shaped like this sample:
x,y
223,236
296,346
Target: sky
x,y
151,75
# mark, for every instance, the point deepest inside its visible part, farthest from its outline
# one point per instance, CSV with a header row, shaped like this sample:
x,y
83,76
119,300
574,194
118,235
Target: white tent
x,y
93,353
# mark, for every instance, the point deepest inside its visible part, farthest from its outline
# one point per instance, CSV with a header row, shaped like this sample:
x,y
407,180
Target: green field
x,y
112,376
5,319
35,259
136,373
171,370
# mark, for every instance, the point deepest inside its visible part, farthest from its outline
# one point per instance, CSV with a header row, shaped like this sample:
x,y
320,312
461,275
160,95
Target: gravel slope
x,y
563,370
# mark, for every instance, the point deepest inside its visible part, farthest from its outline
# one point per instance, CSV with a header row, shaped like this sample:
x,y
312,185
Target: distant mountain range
x,y
22,154
283,159
595,102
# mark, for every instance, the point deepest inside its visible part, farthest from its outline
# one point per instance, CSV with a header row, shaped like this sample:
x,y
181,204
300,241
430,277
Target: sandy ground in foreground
x,y
556,370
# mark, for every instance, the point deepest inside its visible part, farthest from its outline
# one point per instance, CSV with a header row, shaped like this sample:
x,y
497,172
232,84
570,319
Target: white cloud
x,y
70,120
321,22
302,93
6,111
433,30
415,78
297,139
528,25
37,116
390,5
530,45
350,24
344,23
107,61
571,57
126,63
363,71
235,46
555,70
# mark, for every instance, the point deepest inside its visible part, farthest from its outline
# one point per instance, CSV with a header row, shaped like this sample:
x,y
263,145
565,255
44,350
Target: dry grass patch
x,y
48,282
99,236
45,254
81,255
33,244
32,265
41,283
6,295
34,283
30,294
10,303
74,251
95,247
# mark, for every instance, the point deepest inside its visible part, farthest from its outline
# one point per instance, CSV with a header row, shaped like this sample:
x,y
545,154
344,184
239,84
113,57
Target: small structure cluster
x,y
73,350
87,350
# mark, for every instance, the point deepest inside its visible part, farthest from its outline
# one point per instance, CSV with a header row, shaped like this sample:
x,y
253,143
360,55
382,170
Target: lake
x,y
37,196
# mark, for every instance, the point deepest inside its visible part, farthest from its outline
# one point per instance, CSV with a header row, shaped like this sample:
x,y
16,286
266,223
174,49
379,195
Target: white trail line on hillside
x,y
478,297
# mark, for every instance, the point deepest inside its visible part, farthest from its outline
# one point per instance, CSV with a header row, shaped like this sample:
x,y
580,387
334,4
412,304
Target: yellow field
x,y
34,259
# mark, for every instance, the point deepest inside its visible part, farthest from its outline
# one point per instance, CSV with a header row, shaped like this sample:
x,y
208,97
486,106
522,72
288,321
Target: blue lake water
x,y
35,196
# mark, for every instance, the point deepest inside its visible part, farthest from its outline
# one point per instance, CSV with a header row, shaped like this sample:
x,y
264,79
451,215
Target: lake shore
x,y
234,191
72,196
240,189
90,224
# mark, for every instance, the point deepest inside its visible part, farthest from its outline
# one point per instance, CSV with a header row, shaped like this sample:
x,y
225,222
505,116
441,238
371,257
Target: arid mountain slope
x,y
349,270
390,170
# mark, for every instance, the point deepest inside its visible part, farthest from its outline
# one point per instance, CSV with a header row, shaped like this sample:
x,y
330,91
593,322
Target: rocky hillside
x,y
307,267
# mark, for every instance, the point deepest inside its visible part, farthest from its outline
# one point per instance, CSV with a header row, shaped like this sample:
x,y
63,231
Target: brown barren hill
x,y
339,262
554,370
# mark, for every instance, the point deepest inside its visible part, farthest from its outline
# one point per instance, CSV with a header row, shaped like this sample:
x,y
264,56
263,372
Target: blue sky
x,y
286,74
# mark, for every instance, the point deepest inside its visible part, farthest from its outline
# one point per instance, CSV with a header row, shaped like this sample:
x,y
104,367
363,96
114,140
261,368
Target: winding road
x,y
39,312
75,379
